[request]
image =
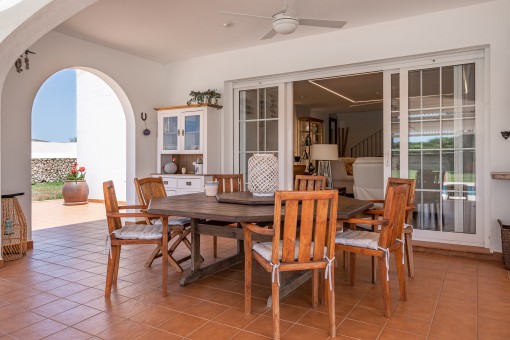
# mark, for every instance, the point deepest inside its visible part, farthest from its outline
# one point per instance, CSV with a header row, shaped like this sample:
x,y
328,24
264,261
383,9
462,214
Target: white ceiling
x,y
166,31
359,92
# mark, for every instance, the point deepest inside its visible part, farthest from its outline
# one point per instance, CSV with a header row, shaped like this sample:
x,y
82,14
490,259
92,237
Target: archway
x,y
77,117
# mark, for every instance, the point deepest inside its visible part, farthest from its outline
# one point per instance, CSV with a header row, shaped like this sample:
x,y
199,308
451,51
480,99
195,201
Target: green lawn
x,y
47,191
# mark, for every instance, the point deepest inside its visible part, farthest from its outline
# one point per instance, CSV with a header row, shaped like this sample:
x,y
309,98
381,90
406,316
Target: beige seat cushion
x,y
357,238
265,249
174,220
139,232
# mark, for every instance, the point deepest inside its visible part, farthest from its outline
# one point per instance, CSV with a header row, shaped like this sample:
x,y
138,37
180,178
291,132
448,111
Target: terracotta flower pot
x,y
75,192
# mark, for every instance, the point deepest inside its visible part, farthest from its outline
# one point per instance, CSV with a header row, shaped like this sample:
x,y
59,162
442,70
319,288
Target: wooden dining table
x,y
209,216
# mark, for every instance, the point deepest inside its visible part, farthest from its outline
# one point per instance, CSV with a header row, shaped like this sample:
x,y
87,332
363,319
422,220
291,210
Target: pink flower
x,y
81,169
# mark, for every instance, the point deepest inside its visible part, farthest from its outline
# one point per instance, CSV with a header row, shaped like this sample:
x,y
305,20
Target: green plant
x,y
204,97
47,191
76,173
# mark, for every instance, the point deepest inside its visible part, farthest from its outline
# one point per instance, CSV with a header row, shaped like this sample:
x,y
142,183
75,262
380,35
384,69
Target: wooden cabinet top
x,y
187,106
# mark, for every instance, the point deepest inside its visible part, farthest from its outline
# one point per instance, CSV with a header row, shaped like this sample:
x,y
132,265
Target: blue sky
x,y
54,109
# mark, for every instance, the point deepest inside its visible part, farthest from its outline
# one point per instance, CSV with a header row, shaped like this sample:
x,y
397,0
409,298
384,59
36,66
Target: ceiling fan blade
x,y
269,35
322,23
294,8
246,15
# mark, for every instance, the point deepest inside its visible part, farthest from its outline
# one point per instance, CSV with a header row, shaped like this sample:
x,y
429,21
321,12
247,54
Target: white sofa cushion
x,y
368,178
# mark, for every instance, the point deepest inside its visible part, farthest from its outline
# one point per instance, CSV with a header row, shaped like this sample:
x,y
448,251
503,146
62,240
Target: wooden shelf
x,y
500,175
187,106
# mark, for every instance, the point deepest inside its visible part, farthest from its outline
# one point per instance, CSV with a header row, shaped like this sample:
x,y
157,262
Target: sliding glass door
x,y
434,123
258,124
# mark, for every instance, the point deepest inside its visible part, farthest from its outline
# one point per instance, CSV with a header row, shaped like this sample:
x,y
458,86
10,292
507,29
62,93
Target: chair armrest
x,y
132,207
363,221
256,229
377,212
410,207
138,214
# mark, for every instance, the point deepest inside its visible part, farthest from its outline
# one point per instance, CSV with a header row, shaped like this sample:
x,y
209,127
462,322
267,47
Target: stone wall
x,y
51,169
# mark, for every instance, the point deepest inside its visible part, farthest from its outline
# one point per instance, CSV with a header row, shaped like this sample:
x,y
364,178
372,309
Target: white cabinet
x,y
188,134
183,184
181,131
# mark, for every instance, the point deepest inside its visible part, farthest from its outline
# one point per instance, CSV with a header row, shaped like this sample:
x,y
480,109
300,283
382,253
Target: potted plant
x,y
207,97
75,189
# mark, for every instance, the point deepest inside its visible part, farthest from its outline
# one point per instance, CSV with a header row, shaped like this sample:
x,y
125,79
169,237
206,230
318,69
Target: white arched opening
x,y
77,103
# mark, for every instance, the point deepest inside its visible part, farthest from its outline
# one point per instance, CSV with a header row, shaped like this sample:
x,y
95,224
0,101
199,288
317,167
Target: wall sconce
x,y
505,134
19,62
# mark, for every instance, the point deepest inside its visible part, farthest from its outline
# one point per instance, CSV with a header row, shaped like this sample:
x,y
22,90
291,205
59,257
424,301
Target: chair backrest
x,y
368,175
229,182
394,211
111,206
309,183
148,188
309,217
411,187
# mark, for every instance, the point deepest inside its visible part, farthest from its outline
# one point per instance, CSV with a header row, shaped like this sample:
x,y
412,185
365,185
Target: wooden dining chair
x,y
408,227
227,183
119,234
381,244
179,227
308,233
309,183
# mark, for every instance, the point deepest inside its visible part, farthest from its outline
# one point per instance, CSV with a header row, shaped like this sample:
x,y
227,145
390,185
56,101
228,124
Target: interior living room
x,y
429,79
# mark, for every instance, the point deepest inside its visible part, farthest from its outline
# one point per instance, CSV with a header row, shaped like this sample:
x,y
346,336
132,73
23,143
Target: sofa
x,y
368,173
341,172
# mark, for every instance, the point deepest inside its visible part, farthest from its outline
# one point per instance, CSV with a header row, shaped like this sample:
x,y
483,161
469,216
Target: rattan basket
x,y
505,241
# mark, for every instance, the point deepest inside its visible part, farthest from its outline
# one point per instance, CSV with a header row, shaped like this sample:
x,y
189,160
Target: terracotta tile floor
x,y
56,292
53,213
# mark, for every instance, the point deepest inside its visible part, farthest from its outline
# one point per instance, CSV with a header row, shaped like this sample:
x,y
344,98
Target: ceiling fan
x,y
287,21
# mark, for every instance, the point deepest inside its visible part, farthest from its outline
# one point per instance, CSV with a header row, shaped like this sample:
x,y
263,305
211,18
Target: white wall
x,y
101,124
53,149
135,80
481,25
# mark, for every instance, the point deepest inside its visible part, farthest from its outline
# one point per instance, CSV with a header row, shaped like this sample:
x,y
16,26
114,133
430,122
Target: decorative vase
x,y
170,168
263,174
75,192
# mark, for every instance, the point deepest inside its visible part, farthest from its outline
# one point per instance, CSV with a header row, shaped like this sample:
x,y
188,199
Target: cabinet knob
x,y
188,183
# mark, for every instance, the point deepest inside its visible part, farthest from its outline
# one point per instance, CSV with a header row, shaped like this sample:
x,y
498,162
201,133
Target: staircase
x,y
372,146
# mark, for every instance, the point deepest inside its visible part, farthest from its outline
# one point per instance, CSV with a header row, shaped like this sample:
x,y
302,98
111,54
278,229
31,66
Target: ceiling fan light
x,y
285,25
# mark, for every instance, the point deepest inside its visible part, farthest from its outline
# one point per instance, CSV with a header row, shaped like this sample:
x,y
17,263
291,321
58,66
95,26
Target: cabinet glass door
x,y
191,132
170,133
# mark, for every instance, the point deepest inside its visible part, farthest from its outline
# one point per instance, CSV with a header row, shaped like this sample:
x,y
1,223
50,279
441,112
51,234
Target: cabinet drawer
x,y
189,183
171,192
170,183
186,192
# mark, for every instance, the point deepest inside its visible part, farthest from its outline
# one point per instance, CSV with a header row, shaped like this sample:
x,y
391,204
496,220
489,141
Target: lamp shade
x,y
324,152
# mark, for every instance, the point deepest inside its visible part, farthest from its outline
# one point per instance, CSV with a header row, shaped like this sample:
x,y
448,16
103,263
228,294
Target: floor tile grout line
x,y
438,296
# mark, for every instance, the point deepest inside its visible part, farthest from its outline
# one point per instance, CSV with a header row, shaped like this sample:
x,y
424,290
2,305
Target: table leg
x,y
196,272
195,246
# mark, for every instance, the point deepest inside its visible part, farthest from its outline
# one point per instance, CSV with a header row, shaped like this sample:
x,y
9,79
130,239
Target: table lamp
x,y
324,153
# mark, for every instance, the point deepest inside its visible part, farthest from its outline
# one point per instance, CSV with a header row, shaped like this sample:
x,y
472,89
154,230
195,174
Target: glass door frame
x,y
481,237
285,125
